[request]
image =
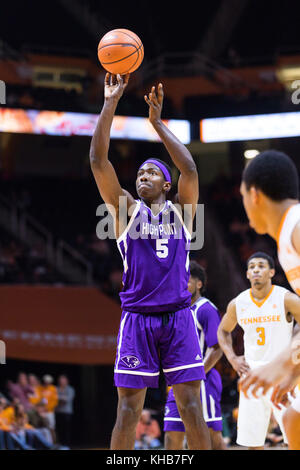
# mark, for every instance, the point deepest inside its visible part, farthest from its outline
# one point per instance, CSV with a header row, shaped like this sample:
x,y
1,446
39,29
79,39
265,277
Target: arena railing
x,y
67,260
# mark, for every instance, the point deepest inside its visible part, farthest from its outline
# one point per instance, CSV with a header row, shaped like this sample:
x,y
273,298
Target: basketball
x,y
120,51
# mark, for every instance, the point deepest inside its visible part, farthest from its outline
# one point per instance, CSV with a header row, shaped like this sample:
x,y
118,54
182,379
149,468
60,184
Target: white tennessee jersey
x,y
266,329
287,255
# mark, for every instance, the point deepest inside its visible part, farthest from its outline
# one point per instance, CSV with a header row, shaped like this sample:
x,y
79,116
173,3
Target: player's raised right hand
x,y
114,86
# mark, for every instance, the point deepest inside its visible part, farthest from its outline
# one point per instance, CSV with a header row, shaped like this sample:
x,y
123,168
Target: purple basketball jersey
x,y
155,253
207,320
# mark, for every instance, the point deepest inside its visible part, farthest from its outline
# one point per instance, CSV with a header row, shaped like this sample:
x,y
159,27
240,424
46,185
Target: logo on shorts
x,y
131,361
198,357
167,410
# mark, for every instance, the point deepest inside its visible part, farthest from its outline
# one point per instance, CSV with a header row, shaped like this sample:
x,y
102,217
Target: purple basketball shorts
x,y
146,341
210,395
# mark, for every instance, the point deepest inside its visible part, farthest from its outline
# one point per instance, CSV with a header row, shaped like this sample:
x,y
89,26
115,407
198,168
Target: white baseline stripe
x,y
135,372
189,366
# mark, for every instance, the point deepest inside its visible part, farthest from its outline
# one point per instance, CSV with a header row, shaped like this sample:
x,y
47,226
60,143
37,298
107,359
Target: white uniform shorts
x,y
254,418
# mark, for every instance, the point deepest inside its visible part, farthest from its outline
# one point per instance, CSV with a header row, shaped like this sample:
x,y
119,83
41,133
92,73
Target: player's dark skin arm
x,y
188,186
212,356
103,171
227,325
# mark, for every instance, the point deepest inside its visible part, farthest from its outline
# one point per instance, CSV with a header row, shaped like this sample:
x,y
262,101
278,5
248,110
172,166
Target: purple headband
x,y
161,166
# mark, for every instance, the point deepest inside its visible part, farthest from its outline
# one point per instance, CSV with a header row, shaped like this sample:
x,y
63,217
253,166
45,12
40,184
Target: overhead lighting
x,y
251,153
252,127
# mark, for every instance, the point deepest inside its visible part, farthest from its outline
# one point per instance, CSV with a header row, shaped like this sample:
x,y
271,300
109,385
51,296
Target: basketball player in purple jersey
x,y
157,325
207,321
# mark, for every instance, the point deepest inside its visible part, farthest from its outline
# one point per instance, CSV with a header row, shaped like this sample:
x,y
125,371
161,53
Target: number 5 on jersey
x,y
162,249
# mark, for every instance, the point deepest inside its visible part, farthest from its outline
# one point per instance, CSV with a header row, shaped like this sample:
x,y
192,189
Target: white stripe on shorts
x,y
120,338
212,407
135,372
206,420
189,366
204,401
173,419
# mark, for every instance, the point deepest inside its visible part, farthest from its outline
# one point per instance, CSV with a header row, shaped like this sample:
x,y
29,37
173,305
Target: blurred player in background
x,y
270,191
264,312
207,321
155,300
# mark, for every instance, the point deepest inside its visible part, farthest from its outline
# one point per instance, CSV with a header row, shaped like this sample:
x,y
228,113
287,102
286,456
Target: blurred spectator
x,y
15,430
24,435
5,424
147,432
48,391
6,441
21,390
64,410
35,384
8,412
37,417
3,396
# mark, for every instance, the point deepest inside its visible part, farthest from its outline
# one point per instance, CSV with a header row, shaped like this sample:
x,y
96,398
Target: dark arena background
x,y
59,282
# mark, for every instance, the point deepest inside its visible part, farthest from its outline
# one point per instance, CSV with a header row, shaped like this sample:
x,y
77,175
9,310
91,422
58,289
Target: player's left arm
x,y
188,185
292,305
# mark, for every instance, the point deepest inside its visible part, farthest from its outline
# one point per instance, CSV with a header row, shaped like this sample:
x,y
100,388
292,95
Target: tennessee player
x,y
270,191
265,312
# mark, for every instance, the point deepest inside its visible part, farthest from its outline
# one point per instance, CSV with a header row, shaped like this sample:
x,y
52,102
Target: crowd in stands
x,y
36,414
52,99
22,264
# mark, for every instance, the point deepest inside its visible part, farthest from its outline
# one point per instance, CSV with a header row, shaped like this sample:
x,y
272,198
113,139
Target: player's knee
x,y
128,414
191,409
173,440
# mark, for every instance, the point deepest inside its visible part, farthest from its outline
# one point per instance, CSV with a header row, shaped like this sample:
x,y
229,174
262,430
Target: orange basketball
x,y
120,51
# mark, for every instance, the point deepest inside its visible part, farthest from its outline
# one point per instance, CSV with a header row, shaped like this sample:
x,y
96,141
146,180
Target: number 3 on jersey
x,y
162,249
262,336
